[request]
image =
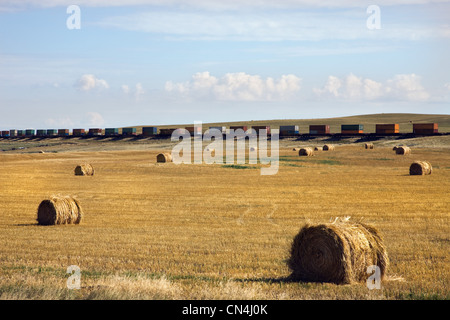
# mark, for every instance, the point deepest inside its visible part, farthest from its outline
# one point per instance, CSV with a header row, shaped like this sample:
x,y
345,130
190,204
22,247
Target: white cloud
x,y
125,89
89,82
236,87
65,122
138,92
95,119
400,87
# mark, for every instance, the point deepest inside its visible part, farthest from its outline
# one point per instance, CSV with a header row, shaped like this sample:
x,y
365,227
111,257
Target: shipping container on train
x,y
425,128
13,133
387,128
41,132
52,132
194,130
128,131
149,131
319,129
167,132
288,130
111,131
245,128
223,130
95,132
5,133
21,133
352,129
30,132
63,132
78,132
263,128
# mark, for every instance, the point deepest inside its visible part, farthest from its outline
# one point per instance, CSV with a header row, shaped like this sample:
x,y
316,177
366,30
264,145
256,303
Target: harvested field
x,y
203,231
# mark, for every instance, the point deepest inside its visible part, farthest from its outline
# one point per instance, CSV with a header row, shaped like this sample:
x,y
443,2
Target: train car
x,y
30,132
95,132
52,132
78,132
41,132
128,131
245,128
5,133
425,128
13,133
21,133
223,130
166,132
288,130
111,132
263,128
63,132
319,129
149,131
352,129
194,130
382,129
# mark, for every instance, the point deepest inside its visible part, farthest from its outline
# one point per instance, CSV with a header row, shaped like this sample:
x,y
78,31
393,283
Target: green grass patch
x,y
238,166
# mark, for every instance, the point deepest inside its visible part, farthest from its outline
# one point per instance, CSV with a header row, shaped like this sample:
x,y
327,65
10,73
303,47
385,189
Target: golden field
x,y
167,231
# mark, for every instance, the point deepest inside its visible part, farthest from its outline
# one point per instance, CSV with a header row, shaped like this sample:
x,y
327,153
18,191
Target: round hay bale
x,y
318,149
164,157
338,252
394,148
305,152
84,170
41,151
328,147
368,145
59,210
402,150
420,168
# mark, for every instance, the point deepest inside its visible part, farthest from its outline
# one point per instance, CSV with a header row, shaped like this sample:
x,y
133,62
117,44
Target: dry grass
x,y
207,232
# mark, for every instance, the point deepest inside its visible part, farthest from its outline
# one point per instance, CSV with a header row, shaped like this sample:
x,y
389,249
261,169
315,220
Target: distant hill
x,y
405,121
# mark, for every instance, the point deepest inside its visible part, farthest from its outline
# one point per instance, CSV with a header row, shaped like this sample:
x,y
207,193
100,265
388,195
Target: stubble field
x,y
167,231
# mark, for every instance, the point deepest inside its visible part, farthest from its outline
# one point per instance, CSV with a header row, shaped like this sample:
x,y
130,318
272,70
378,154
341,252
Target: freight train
x,y
284,131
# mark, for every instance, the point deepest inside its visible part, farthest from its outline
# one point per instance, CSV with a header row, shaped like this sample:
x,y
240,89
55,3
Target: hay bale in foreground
x,y
318,149
328,147
59,210
368,145
164,157
420,168
403,150
395,148
305,152
84,170
337,252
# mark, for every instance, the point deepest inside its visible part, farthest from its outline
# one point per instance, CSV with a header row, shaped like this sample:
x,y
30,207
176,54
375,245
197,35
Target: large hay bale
x,y
328,147
164,157
59,210
395,148
84,170
402,150
368,145
318,149
305,152
420,168
337,252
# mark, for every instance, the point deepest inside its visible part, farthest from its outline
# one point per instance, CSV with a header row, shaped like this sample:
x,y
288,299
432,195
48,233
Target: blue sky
x,y
150,62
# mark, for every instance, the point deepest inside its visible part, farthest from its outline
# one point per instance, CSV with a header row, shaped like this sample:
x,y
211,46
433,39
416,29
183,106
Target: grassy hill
x,y
405,120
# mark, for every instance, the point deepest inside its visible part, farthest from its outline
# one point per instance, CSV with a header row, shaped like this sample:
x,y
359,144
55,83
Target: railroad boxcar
x,y
129,131
319,129
387,128
30,132
352,128
63,132
95,132
78,132
52,132
111,131
425,128
288,130
149,131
